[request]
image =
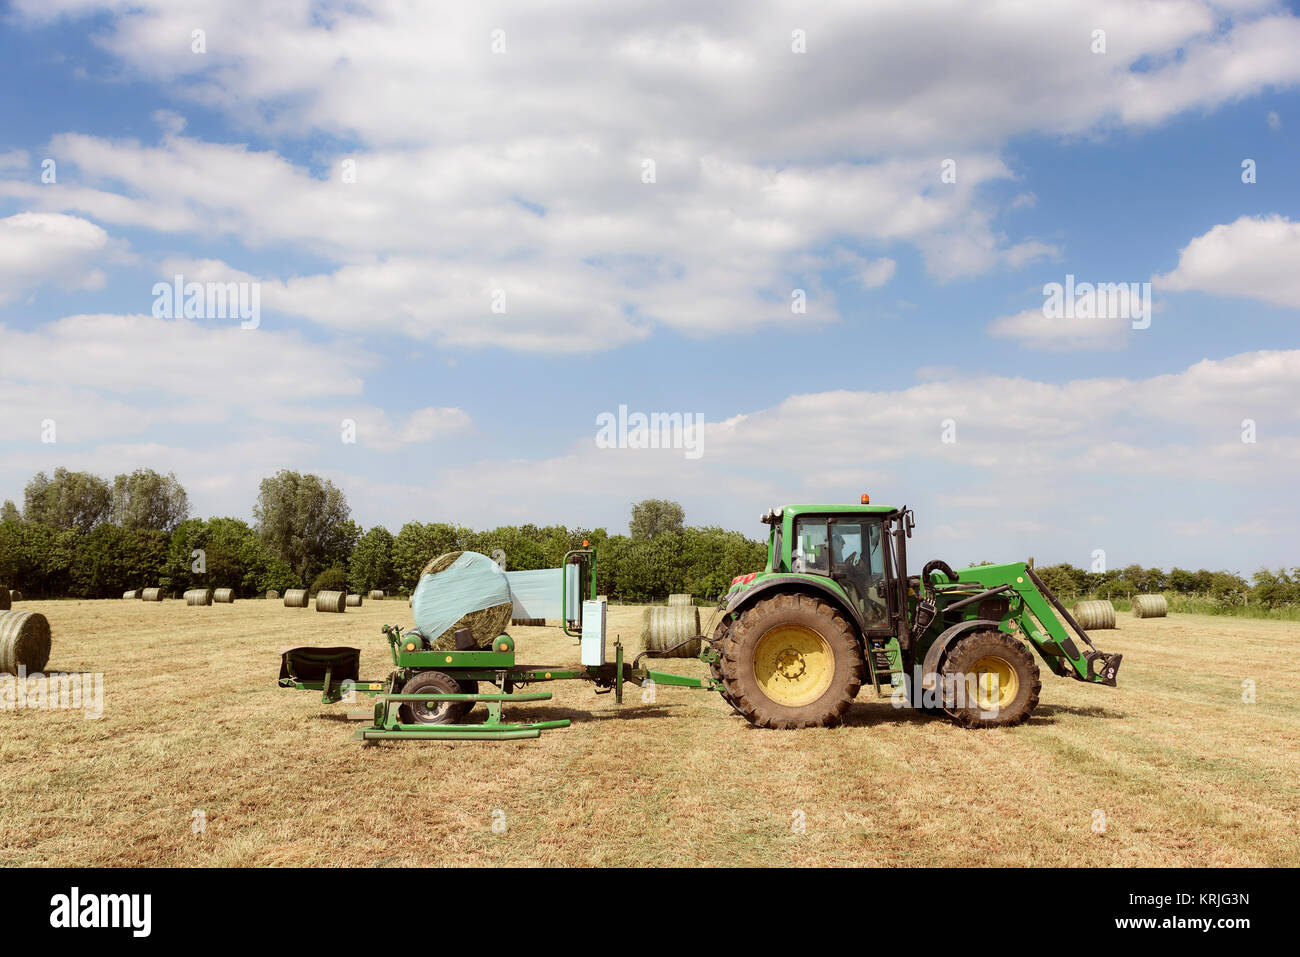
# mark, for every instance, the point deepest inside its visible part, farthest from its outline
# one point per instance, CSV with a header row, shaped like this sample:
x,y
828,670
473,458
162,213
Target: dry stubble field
x,y
1184,771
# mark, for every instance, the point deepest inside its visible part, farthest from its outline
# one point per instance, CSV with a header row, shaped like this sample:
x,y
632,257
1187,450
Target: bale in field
x,y
680,600
458,580
663,626
130,595
295,598
335,602
376,595
224,596
1150,606
15,595
272,595
354,601
529,622
6,602
1094,615
151,594
198,596
24,641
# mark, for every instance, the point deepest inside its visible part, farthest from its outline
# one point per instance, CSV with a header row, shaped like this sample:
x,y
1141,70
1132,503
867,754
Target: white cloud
x,y
1253,257
522,170
878,272
36,248
1033,330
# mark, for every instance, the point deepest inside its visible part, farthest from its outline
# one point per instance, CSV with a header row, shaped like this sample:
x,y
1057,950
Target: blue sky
x,y
521,170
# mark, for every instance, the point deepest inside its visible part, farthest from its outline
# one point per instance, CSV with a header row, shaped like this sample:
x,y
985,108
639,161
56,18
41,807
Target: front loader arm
x,y
1037,623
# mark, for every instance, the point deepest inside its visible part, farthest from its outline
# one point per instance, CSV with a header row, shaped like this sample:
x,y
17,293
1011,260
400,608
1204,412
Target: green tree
x,y
69,500
417,543
304,521
371,564
9,512
653,517
145,499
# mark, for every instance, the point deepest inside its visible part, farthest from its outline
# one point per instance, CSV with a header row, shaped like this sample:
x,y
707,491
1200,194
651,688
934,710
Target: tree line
x,y
81,536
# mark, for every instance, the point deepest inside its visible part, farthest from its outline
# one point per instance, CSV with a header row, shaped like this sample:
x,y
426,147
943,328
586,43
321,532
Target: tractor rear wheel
x,y
434,712
720,637
996,677
791,661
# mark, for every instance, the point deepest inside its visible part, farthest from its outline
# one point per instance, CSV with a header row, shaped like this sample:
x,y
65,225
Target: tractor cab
x,y
854,546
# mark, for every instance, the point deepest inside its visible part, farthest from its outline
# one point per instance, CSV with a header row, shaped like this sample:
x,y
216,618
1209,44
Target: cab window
x,y
809,552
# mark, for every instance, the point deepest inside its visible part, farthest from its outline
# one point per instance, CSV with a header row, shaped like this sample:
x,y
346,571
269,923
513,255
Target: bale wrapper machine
x,y
430,692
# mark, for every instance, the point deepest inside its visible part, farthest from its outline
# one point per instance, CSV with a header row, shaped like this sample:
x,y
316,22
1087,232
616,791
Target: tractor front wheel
x,y
994,678
791,661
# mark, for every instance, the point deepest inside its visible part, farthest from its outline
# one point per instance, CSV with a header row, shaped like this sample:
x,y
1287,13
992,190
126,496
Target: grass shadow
x,y
1085,711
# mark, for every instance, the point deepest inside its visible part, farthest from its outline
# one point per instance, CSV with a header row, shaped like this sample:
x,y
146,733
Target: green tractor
x,y
835,609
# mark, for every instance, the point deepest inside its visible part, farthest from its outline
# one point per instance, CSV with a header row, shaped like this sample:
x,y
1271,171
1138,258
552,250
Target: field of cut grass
x,y
1183,771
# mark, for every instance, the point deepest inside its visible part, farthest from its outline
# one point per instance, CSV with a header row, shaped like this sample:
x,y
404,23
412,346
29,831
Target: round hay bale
x,y
354,601
376,595
24,641
335,602
6,601
295,598
674,600
1094,615
224,596
15,595
529,622
272,595
604,598
663,626
130,595
198,596
485,625
1150,606
151,594
441,564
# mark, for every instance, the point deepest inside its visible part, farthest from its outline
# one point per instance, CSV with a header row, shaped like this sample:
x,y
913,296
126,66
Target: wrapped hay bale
x,y
151,594
24,641
295,598
1150,606
335,602
1094,615
6,601
15,595
272,595
674,600
529,622
224,596
354,601
376,595
663,626
198,596
130,595
461,590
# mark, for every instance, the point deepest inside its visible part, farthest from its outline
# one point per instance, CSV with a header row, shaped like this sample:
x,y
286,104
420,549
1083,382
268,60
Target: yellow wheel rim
x,y
996,681
793,665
